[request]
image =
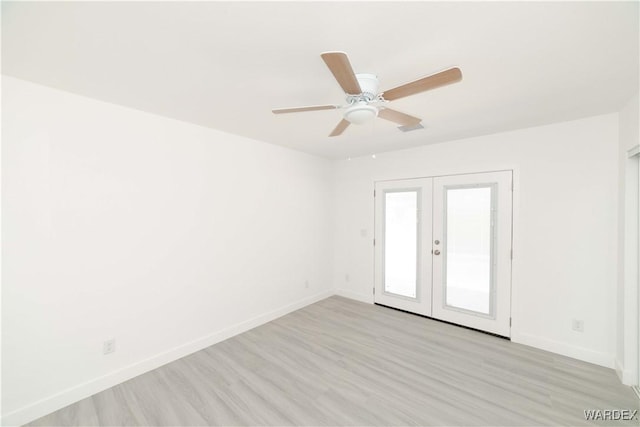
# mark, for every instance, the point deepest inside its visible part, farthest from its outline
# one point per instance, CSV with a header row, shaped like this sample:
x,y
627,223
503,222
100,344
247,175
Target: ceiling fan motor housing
x,y
360,111
368,85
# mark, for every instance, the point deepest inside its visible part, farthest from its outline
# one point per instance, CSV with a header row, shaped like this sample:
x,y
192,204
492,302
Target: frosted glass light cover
x,y
360,113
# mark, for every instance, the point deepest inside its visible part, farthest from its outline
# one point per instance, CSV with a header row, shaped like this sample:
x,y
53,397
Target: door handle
x,y
436,252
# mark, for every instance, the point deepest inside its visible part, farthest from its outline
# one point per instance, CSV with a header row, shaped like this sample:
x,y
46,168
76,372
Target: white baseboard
x,y
355,296
580,353
627,376
81,391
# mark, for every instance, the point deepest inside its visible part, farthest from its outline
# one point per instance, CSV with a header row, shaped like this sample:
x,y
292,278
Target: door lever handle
x,y
436,252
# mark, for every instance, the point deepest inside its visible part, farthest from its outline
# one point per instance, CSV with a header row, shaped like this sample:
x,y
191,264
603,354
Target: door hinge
x,y
509,321
374,193
511,253
374,291
374,241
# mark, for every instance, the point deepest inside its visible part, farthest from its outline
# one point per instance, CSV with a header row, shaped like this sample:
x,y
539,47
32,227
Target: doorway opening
x,y
443,248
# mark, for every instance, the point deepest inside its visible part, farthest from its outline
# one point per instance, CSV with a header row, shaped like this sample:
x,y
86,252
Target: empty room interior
x,y
341,213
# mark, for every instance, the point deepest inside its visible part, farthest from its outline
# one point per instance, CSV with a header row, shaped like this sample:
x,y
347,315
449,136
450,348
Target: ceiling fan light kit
x,y
364,102
360,113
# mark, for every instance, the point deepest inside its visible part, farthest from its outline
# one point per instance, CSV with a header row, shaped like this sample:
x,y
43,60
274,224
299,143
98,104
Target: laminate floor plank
x,y
344,363
114,408
82,413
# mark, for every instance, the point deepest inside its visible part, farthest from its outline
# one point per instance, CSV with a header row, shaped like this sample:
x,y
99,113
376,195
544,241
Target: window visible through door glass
x,y
401,243
468,261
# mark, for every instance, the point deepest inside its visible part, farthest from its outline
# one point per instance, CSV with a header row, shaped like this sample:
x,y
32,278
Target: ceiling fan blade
x,y
398,117
340,128
340,66
452,75
301,109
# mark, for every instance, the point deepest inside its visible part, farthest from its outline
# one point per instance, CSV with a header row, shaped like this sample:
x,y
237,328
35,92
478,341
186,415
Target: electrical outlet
x,y
109,346
306,284
577,325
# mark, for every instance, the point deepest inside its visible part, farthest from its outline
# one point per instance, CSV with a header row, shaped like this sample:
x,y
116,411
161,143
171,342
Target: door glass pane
x,y
401,242
468,242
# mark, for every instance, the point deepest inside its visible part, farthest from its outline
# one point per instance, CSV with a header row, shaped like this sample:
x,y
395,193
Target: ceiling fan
x,y
364,103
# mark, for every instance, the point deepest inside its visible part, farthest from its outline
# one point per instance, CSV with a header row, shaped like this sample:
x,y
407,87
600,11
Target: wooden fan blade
x,y
452,75
300,109
340,128
340,66
397,117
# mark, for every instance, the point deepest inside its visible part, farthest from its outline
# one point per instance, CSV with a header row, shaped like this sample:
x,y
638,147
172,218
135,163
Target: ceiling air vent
x,y
410,128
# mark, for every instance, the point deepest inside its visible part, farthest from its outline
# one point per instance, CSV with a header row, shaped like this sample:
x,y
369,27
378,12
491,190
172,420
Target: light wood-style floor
x,y
341,362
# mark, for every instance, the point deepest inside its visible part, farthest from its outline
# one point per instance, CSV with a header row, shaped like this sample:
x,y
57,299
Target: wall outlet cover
x,y
109,346
577,325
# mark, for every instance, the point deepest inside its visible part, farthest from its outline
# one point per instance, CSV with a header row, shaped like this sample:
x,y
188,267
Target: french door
x,y
403,250
443,248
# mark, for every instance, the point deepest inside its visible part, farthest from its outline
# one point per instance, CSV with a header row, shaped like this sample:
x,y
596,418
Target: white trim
x,y
368,299
74,394
626,376
633,151
580,353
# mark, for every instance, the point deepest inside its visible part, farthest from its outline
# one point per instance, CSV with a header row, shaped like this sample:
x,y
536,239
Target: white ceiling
x,y
225,65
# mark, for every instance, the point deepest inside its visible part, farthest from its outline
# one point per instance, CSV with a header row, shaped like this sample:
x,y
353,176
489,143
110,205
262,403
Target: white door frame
x,y
515,335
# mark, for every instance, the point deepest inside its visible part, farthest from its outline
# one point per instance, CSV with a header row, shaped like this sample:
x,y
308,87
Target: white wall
x,y
163,235
170,237
627,304
565,242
